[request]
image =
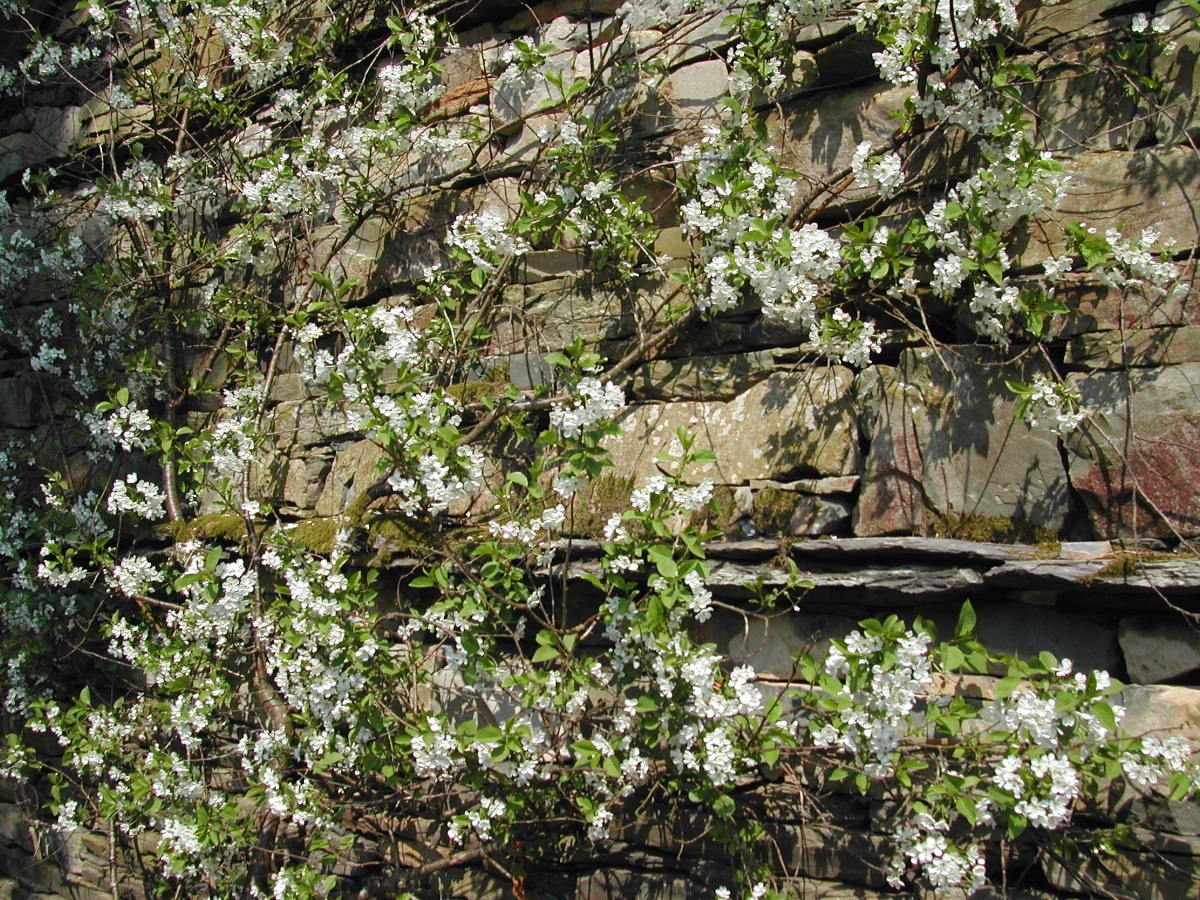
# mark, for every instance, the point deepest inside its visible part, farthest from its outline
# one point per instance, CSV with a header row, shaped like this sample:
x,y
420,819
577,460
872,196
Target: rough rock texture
x,y
1159,648
944,440
790,423
1126,460
872,459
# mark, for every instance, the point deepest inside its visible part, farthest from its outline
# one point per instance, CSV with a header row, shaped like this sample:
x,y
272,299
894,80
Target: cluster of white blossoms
x,y
1044,787
884,171
236,435
1156,760
549,523
436,484
736,215
845,339
486,238
592,403
135,576
480,821
281,187
410,83
402,345
143,499
1056,402
435,752
250,43
129,427
1134,262
923,843
141,195
880,691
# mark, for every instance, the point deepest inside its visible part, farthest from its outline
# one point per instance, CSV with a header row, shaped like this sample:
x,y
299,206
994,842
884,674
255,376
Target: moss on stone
x,y
491,384
317,534
595,504
988,529
1126,564
773,509
210,526
392,533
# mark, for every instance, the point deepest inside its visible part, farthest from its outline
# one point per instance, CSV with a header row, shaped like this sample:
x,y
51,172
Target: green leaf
x,y
664,560
542,654
952,657
966,618
724,806
966,808
611,767
1005,686
1104,713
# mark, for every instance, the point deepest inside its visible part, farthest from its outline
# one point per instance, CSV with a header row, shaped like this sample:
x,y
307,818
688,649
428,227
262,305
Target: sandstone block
x,y
306,423
1126,459
516,95
789,424
1080,103
819,515
1043,23
19,401
1025,631
1177,71
1147,876
944,439
1095,307
355,468
545,265
1158,648
559,311
817,138
537,13
304,478
1161,710
1143,347
1127,190
698,88
768,644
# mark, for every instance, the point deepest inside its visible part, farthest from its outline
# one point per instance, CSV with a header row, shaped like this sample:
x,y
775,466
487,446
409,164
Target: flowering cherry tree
x,y
188,660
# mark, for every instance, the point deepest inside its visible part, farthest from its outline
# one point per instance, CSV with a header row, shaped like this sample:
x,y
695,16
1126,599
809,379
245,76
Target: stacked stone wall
x,y
908,484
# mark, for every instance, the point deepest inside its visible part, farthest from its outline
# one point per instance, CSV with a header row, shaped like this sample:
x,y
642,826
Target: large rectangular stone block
x,y
944,441
1133,460
789,424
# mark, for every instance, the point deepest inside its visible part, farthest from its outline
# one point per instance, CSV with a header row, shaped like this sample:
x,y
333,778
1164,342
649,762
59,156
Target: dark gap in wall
x,y
1129,9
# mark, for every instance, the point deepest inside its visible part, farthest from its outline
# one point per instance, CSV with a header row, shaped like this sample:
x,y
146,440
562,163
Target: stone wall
x,y
907,485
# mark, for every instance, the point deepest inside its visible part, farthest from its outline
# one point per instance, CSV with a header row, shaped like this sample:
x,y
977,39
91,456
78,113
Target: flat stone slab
x,y
1143,347
721,377
912,548
1045,573
736,580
